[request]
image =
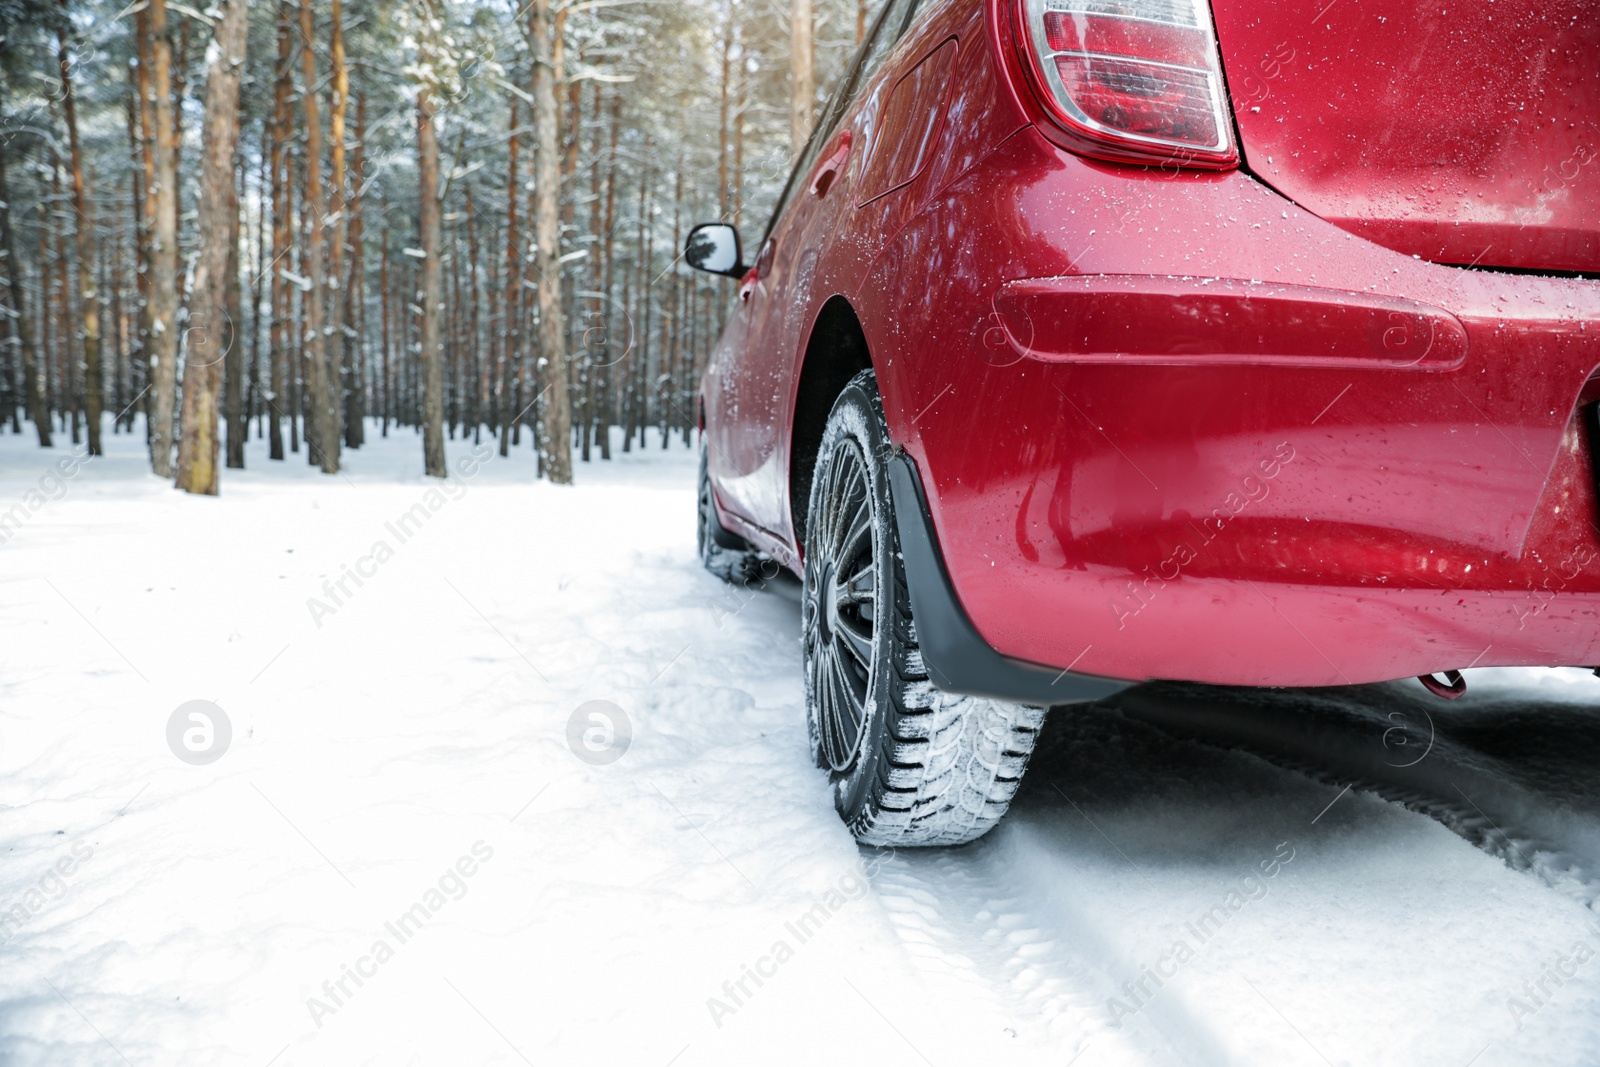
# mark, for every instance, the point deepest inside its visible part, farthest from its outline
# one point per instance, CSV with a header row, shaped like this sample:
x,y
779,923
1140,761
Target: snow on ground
x,y
402,858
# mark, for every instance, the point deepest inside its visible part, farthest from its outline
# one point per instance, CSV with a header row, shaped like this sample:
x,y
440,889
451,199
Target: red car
x,y
1096,341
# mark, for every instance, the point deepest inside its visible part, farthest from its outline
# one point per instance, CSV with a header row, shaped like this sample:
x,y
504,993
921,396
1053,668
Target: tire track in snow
x,y
976,939
1514,801
1021,915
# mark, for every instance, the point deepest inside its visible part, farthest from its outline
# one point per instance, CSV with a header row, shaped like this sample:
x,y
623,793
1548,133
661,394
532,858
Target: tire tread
x,y
950,764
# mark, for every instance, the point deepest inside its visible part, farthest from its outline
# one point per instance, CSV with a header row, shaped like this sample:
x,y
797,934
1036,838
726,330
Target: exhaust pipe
x,y
1453,687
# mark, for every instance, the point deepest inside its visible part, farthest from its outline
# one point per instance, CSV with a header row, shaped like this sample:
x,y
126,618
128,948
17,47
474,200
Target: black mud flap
x,y
958,659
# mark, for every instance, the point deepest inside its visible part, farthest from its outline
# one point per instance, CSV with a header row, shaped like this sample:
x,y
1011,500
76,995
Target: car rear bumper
x,y
1218,505
1142,463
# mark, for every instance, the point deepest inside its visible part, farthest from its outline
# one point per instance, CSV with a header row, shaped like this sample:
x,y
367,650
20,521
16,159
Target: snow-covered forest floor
x,y
401,858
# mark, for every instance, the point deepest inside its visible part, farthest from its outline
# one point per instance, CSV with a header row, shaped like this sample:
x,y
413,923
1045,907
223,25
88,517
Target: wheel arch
x,y
836,351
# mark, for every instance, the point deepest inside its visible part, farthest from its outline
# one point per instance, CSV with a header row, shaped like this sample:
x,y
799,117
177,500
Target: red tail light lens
x,y
1131,80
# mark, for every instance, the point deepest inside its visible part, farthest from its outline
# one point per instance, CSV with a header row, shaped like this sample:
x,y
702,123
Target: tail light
x,y
1127,80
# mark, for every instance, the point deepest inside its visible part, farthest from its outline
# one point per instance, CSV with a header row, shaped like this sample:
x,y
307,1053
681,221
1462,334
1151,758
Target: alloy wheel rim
x,y
841,608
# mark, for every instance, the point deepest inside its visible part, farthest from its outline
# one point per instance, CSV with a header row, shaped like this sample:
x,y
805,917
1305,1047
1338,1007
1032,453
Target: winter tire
x,y
909,764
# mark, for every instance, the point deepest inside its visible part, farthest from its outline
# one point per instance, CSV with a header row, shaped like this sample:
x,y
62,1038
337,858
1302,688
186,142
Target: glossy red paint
x,y
1209,322
914,112
1158,424
1463,133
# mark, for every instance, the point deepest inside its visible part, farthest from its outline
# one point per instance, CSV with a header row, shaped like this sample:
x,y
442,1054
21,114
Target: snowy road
x,y
401,859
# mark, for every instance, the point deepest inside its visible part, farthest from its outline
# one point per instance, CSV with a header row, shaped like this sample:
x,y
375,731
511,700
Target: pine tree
x,y
322,388
433,75
164,247
83,225
547,77
197,448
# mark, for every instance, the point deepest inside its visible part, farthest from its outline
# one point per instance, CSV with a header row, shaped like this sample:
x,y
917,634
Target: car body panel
x,y
1467,133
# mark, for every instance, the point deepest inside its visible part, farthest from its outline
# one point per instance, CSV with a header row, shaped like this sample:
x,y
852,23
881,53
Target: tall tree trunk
x,y
147,213
10,398
197,448
66,355
47,347
723,115
139,144
277,347
594,408
232,334
675,301
432,288
589,366
339,90
474,325
510,328
88,290
547,76
355,403
294,306
452,343
737,178
144,86
111,285
653,378
571,125
47,361
253,406
646,386
305,401
383,348
408,372
802,84
33,383
488,389
617,368
625,405
322,390
164,244
528,371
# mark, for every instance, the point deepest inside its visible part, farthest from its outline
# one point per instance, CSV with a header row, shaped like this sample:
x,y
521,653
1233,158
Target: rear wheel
x,y
910,765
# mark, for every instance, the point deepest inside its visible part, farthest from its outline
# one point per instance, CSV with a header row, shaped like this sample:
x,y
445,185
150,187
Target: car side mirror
x,y
714,247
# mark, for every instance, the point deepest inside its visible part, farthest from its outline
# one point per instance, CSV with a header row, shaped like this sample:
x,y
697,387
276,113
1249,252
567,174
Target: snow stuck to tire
x,y
935,768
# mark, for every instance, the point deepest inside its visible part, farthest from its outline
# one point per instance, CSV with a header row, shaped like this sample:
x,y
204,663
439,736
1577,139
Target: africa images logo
x,y
599,732
198,732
